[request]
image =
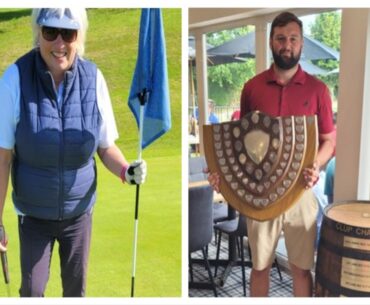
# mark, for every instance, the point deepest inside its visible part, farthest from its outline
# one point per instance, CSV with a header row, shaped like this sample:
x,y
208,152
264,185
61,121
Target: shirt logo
x,y
305,104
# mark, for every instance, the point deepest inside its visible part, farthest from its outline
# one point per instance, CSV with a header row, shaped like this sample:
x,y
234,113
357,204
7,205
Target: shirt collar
x,y
298,78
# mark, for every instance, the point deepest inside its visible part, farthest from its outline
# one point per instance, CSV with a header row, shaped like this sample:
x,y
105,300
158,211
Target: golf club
x,y
4,260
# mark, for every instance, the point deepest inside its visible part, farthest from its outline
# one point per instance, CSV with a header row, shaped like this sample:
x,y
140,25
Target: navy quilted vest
x,y
54,173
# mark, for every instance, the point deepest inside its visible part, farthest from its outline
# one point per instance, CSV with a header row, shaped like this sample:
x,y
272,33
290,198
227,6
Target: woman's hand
x,y
2,248
213,179
136,172
3,239
311,175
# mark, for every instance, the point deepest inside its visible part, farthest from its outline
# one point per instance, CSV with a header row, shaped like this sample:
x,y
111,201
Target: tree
x,y
225,81
326,29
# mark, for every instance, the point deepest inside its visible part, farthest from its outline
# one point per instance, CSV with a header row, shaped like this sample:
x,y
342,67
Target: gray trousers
x,y
37,238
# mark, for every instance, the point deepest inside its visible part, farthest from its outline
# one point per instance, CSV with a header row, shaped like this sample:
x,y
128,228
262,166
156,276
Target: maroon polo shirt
x,y
303,95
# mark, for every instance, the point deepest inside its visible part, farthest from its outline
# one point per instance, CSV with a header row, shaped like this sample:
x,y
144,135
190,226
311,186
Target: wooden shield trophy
x,y
260,161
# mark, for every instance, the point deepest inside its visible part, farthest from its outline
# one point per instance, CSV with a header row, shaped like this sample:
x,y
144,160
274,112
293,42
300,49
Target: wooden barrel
x,y
343,256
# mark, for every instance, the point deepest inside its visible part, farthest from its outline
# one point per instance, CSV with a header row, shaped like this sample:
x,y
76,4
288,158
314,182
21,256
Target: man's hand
x,y
213,179
136,172
311,175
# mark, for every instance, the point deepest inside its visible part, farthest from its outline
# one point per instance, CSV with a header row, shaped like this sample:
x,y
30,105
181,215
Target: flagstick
x,y
142,98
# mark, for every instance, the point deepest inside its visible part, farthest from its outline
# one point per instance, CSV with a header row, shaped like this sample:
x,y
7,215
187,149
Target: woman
x,y
56,114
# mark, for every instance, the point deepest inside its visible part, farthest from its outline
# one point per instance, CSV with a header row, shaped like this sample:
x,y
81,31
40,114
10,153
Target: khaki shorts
x,y
299,227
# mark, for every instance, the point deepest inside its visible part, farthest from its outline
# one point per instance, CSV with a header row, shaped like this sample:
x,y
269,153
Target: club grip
x,y
4,259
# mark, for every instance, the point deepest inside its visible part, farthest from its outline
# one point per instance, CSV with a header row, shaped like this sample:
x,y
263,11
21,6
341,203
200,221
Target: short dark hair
x,y
283,19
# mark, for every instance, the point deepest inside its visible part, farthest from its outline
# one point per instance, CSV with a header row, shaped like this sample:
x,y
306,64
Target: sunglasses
x,y
50,34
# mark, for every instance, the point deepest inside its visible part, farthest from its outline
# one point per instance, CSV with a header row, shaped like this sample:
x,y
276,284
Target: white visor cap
x,y
53,18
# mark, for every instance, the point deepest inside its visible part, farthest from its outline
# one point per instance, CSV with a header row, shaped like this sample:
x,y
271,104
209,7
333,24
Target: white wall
x,y
352,177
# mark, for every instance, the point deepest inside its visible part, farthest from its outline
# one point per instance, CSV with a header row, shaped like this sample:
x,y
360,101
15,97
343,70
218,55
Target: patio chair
x,y
196,173
237,229
200,230
196,169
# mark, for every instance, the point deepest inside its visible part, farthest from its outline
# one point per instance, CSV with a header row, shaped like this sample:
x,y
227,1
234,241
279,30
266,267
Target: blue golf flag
x,y
150,78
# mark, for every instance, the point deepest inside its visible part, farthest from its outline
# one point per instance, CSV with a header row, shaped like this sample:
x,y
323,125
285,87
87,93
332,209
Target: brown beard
x,y
285,63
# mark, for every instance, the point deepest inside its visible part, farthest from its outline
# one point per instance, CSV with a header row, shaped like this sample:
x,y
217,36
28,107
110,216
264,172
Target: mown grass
x,y
112,44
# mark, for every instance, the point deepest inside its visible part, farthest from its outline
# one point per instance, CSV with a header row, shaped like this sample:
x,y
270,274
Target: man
x,y
284,90
212,117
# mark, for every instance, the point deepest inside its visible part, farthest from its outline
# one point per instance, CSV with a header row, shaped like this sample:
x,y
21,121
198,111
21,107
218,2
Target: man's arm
x,y
326,149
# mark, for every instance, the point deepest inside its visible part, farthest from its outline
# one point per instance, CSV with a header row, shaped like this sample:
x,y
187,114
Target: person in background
x,y
285,89
55,115
193,136
324,189
212,117
329,180
236,115
330,171
194,126
322,201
